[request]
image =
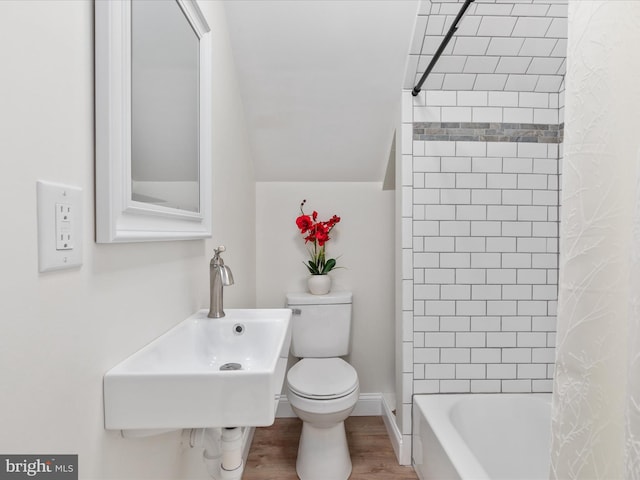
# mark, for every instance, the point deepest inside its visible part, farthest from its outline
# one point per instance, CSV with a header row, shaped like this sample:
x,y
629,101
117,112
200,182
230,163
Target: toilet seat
x,y
322,378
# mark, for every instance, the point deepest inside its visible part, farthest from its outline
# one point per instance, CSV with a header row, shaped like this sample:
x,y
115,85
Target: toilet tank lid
x,y
304,298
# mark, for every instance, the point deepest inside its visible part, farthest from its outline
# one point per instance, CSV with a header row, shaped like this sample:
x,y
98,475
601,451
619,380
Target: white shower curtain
x,y
596,399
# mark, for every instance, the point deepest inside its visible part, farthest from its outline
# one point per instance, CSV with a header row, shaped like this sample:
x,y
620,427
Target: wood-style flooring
x,y
274,449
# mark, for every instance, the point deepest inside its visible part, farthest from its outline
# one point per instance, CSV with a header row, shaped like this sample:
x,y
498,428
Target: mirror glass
x,y
165,54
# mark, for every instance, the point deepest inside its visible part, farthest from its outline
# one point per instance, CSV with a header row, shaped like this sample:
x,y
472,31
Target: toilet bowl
x,y
322,393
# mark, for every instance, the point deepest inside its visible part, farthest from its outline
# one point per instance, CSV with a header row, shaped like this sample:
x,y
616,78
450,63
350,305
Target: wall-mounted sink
x,y
204,372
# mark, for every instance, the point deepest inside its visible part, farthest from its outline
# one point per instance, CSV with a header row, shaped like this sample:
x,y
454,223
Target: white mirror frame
x,y
118,217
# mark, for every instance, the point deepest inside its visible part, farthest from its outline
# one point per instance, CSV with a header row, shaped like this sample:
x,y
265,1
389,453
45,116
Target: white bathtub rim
x,y
432,406
451,442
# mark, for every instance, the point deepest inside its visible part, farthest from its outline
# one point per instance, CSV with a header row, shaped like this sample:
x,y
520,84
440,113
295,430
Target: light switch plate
x,y
59,226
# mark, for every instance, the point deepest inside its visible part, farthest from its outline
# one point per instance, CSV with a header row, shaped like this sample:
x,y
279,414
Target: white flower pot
x,y
319,284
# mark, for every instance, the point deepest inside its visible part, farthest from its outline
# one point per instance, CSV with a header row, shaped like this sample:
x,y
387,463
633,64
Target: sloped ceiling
x,y
321,83
321,79
500,45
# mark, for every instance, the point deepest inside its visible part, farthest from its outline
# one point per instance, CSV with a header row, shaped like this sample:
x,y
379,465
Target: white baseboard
x,y
369,404
400,447
392,428
284,408
247,438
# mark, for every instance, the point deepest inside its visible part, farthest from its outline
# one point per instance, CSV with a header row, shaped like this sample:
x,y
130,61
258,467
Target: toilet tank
x,y
321,324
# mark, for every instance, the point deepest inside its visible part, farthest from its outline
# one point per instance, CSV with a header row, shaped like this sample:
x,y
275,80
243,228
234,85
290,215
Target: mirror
x,y
164,106
153,120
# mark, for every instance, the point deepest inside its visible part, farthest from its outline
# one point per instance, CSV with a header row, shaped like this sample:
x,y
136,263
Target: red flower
x,y
332,221
304,223
317,232
322,234
312,234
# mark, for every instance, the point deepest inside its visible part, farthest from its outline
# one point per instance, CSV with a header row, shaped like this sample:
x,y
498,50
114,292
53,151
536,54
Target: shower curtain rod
x,y
443,45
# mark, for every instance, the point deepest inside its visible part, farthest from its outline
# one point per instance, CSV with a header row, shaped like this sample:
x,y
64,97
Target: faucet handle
x,y
217,259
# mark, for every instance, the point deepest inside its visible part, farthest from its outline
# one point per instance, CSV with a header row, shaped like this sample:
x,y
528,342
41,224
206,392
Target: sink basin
x,y
204,372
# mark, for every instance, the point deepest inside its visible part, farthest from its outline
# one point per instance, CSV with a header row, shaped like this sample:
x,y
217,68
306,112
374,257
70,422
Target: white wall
x,y
60,331
364,242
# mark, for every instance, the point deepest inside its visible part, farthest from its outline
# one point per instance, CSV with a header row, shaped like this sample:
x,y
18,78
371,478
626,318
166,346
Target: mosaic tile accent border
x,y
489,132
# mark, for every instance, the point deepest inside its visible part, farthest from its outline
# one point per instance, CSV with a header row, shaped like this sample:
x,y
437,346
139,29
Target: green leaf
x,y
328,266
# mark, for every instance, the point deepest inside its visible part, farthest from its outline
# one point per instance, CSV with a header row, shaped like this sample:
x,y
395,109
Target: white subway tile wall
x,y
482,260
480,199
516,45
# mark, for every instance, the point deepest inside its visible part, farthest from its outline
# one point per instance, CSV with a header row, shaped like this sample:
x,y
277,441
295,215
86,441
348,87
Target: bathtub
x,y
482,436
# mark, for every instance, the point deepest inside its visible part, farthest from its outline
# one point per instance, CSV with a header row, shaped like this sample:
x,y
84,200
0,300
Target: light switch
x,y
59,226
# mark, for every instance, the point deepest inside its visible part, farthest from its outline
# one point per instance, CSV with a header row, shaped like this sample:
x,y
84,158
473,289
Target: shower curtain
x,y
596,399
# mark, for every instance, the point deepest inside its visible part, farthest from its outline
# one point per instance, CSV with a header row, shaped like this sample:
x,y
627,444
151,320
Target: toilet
x,y
322,388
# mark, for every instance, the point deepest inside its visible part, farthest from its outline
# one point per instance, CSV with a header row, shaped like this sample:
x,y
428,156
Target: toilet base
x,y
323,453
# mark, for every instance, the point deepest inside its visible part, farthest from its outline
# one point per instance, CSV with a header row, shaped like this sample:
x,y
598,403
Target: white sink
x,y
187,378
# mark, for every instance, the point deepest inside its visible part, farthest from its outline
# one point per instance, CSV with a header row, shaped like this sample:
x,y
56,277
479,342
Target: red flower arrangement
x,y
317,232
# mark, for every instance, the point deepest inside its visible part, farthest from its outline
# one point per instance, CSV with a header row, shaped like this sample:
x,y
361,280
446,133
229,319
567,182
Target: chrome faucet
x,y
219,276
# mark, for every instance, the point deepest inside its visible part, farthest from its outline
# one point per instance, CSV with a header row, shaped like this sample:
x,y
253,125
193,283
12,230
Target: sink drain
x,y
238,329
231,366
